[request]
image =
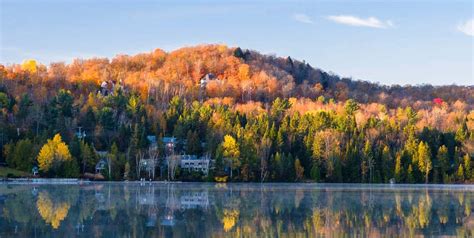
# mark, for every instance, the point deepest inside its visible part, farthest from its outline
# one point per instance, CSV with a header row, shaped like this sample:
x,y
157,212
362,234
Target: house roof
x,y
151,139
169,139
101,164
208,76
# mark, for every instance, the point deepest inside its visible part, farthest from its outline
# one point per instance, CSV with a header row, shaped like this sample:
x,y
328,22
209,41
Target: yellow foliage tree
x,y
29,65
244,72
231,152
222,48
45,157
53,151
424,159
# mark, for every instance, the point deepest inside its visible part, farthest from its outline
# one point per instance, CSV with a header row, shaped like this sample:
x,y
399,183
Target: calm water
x,y
235,210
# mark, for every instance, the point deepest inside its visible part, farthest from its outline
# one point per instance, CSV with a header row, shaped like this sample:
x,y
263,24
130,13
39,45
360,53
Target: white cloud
x,y
303,18
357,21
467,27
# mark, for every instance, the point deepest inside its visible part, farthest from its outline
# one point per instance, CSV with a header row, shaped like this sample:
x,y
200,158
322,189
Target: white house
x,y
194,163
208,78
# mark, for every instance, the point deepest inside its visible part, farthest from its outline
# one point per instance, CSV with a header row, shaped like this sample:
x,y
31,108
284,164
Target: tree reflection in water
x,y
51,212
234,210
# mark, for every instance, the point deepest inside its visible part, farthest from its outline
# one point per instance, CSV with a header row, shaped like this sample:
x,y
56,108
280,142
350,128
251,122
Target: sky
x,y
388,42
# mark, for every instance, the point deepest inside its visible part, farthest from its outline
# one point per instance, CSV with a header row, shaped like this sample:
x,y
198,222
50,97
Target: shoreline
x,y
285,185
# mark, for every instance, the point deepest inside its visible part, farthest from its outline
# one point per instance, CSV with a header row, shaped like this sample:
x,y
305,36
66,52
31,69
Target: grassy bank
x,y
9,172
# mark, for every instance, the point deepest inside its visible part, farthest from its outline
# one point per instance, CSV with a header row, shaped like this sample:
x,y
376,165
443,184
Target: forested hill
x,y
310,81
258,117
243,75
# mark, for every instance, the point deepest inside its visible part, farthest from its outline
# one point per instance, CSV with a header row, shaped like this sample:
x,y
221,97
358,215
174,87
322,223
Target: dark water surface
x,y
235,210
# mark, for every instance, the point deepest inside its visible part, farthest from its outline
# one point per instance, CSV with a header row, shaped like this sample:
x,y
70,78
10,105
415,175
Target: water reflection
x,y
52,212
234,210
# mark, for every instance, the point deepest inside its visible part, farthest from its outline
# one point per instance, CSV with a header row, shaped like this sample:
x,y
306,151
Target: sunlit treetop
x,y
29,65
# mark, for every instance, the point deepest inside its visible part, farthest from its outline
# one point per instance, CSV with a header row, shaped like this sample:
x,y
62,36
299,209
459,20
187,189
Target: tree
x,y
231,152
462,132
53,154
60,112
410,178
153,158
244,72
424,159
350,107
29,65
264,152
172,161
23,108
315,172
112,159
139,157
467,166
63,103
4,101
279,107
239,53
398,168
317,150
20,155
133,107
299,170
368,162
107,118
134,152
460,173
193,144
443,160
387,163
87,157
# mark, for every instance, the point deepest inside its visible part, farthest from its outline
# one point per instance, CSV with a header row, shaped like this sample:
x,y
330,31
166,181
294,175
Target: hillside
x,y
243,75
259,116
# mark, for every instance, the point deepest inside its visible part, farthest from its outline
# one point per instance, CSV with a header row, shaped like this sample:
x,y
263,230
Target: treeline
x,y
256,120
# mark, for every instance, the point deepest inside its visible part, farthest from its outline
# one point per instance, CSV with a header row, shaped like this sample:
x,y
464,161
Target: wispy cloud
x,y
361,22
467,27
303,18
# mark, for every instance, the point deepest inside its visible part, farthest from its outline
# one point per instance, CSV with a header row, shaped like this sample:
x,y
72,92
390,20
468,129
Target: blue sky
x,y
390,42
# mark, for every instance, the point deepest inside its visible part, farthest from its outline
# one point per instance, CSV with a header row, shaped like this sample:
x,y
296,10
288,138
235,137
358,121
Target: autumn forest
x,y
260,118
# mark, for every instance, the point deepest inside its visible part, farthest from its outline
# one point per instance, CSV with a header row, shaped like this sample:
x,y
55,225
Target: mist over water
x,y
235,210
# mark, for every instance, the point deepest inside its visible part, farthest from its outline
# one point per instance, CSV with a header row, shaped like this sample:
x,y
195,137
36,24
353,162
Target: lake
x,y
132,209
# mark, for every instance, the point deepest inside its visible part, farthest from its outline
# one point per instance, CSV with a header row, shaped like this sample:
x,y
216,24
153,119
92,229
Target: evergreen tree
x,y
20,155
299,170
460,173
443,161
398,168
388,164
467,166
87,157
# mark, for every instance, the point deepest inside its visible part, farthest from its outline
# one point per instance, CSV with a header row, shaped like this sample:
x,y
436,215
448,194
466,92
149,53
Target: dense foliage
x,y
261,118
